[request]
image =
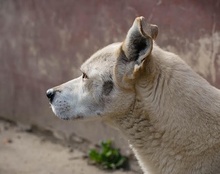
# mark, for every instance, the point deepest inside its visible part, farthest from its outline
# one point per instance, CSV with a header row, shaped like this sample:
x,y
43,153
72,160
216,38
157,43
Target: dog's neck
x,y
138,124
145,139
144,131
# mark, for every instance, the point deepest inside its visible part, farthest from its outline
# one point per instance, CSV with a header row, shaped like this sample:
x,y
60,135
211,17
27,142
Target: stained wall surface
x,y
43,43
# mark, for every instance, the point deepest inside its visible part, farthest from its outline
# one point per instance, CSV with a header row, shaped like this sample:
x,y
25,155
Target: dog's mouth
x,y
66,112
64,118
78,117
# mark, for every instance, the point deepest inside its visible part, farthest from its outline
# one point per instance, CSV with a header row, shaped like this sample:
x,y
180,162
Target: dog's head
x,y
106,87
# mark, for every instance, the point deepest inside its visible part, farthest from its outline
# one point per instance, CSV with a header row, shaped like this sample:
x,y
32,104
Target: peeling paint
x,y
200,54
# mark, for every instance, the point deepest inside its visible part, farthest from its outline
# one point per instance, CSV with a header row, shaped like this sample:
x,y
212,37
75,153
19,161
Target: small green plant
x,y
108,157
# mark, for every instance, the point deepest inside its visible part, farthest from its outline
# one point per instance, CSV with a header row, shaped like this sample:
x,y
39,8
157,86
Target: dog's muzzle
x,y
50,94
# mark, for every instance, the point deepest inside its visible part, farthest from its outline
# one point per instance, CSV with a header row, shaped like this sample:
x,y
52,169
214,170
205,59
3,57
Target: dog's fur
x,y
169,114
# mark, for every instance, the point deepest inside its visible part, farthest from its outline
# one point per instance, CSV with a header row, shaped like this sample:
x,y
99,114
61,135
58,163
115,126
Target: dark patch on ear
x,y
107,87
139,43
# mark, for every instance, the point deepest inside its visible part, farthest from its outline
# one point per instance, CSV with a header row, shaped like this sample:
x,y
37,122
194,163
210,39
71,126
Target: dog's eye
x,y
84,76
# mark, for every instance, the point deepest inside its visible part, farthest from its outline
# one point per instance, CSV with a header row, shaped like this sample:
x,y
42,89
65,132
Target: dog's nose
x,y
50,94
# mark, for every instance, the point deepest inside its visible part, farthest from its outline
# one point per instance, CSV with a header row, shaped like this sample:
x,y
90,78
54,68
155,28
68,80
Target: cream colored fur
x,y
169,114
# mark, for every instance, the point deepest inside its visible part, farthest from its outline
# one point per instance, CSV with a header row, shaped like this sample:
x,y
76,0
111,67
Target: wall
x,y
43,43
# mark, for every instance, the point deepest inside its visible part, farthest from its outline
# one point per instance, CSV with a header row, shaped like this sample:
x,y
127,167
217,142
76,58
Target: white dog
x,y
169,114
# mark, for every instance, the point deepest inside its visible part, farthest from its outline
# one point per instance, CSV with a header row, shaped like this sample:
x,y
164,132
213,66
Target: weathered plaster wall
x,y
43,43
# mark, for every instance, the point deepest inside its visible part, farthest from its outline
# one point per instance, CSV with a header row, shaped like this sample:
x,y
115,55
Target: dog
x,y
169,114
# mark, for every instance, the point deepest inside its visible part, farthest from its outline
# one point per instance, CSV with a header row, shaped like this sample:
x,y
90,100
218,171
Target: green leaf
x,y
94,156
108,153
108,157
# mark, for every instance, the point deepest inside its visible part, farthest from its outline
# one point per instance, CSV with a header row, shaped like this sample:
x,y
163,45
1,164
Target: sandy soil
x,y
24,151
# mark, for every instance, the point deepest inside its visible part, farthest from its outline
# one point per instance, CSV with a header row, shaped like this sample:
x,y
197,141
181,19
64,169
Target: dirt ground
x,y
25,150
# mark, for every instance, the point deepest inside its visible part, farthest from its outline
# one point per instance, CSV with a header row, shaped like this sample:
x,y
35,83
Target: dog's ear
x,y
139,40
135,50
